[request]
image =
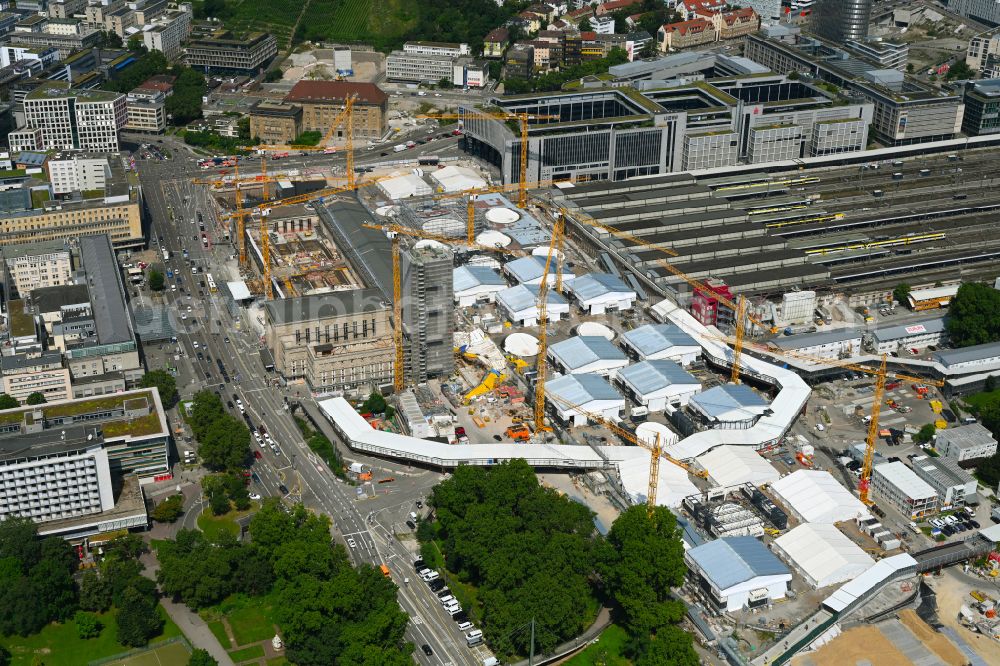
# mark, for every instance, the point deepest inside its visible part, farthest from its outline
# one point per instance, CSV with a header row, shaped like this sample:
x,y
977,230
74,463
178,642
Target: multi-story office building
x,y
35,265
898,485
887,55
905,111
981,48
955,487
167,32
146,111
967,442
982,107
275,123
11,54
337,341
841,20
617,132
55,35
428,311
72,119
224,51
984,11
78,173
24,374
426,67
61,462
323,101
64,9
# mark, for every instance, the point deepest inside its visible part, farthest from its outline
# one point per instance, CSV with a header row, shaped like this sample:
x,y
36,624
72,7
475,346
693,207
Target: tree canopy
x,y
974,315
36,398
164,382
224,440
8,401
156,281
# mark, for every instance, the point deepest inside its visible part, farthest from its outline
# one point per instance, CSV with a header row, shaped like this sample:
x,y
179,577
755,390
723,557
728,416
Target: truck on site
x,y
166,254
398,148
519,432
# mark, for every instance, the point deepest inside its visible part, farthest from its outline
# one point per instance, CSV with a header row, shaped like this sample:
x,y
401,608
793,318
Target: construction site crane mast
x,y
864,483
741,312
543,322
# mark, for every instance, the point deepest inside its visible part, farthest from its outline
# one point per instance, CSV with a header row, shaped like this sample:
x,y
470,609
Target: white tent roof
x,y
736,465
817,497
407,185
823,554
239,290
457,179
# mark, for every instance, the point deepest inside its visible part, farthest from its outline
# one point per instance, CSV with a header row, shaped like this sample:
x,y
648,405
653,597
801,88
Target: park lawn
x,y
59,644
252,652
251,619
277,661
978,400
213,525
219,630
607,651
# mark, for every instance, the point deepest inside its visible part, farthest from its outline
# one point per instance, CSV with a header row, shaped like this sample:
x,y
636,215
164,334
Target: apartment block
x,y
24,374
78,173
981,47
72,119
167,32
982,107
64,9
34,265
336,341
146,114
899,485
275,123
323,101
428,311
225,52
57,36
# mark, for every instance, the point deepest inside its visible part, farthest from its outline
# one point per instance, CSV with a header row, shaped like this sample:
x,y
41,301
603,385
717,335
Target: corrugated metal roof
x,y
581,389
649,376
976,353
910,329
816,339
730,401
594,285
581,350
527,269
470,277
653,338
522,297
733,560
905,479
965,437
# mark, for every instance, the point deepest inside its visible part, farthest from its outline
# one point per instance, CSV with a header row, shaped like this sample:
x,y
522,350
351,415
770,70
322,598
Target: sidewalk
x,y
564,650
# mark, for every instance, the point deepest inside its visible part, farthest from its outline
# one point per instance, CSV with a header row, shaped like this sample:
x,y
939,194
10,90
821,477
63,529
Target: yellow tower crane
x,y
864,483
345,117
543,322
522,118
741,313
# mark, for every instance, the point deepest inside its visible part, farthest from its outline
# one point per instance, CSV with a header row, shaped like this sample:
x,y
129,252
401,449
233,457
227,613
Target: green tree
x,y
4,656
974,315
136,45
109,40
87,625
8,402
219,503
644,560
138,619
960,71
584,25
375,404
273,75
169,510
310,138
202,657
36,398
156,281
224,440
164,382
95,592
901,291
990,384
925,434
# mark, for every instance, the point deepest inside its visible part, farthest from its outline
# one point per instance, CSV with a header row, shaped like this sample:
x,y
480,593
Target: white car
x,y
951,520
936,522
820,427
352,543
195,344
254,496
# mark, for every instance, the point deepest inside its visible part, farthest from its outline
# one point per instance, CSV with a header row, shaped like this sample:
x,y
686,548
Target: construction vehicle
x,y
522,118
770,531
940,424
518,432
921,390
491,380
936,406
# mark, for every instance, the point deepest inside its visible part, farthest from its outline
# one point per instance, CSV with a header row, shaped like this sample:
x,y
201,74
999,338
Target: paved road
x,y
173,204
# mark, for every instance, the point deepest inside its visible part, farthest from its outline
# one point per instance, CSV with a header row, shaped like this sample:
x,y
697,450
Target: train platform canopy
x,y
817,497
239,290
855,591
735,465
823,554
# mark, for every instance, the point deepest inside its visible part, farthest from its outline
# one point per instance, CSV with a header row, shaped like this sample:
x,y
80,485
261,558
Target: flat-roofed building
x,y
223,51
167,32
323,101
33,265
75,119
146,113
738,572
955,487
338,341
827,344
918,334
899,485
79,173
966,442
24,374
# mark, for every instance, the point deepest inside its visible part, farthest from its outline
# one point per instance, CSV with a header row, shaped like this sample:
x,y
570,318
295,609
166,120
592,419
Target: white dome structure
x,y
592,328
427,242
484,260
493,239
502,215
521,344
646,432
445,226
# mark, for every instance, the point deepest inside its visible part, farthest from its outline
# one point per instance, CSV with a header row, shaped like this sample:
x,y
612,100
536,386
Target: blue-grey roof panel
x,y
582,350
530,268
733,560
469,277
580,389
524,296
654,338
721,400
935,325
649,376
975,353
593,285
